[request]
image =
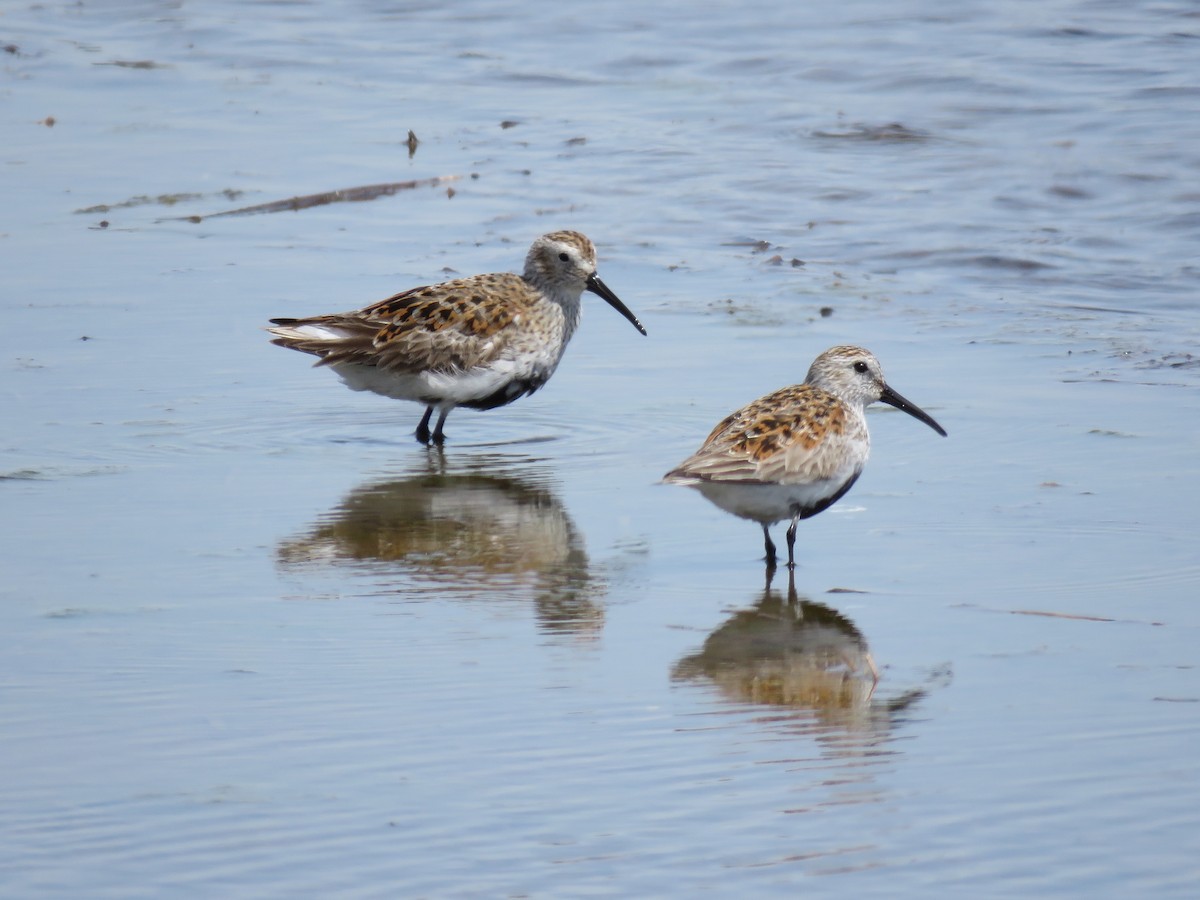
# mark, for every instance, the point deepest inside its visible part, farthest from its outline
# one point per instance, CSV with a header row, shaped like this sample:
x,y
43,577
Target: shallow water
x,y
258,641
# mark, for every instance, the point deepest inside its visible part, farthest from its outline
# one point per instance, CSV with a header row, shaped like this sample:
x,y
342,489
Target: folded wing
x,y
450,327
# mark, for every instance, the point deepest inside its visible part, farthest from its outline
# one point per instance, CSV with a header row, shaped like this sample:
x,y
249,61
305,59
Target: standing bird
x,y
795,452
479,342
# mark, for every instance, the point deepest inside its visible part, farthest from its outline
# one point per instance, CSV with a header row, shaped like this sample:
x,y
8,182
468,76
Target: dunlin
x,y
479,342
797,451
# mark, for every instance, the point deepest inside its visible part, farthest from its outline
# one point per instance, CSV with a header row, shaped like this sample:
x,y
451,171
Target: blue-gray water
x,y
258,642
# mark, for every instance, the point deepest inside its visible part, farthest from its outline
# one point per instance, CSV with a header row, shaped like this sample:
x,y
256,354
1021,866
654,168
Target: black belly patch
x,y
506,395
823,505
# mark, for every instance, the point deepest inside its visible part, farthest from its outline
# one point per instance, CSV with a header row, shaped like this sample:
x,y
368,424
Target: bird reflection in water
x,y
486,528
793,653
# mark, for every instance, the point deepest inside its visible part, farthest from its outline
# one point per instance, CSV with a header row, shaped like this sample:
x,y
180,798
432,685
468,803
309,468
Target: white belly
x,y
432,387
767,503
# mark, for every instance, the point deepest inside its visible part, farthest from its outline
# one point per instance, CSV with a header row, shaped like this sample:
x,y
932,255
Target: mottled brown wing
x,y
446,327
791,435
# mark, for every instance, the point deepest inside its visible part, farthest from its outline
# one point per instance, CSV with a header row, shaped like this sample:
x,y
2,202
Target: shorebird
x,y
797,451
479,342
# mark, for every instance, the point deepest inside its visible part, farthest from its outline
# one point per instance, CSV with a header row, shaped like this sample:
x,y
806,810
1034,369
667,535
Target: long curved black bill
x,y
891,398
599,288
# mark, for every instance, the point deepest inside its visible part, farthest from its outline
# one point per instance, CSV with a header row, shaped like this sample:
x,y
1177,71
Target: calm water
x,y
257,642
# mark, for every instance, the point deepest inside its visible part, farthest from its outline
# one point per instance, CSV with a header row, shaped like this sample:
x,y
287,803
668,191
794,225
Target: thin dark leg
x,y
439,436
791,541
423,428
770,545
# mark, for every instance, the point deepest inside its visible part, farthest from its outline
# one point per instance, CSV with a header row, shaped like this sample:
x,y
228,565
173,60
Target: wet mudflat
x,y
259,640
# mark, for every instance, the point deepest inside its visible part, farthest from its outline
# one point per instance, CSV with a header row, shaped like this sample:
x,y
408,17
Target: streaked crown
x,y
561,259
850,373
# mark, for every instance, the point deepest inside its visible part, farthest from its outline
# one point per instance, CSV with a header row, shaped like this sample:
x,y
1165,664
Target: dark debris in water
x,y
1173,361
755,246
157,200
1076,617
134,64
1068,193
22,475
1146,359
892,132
744,313
343,195
1116,310
760,246
991,261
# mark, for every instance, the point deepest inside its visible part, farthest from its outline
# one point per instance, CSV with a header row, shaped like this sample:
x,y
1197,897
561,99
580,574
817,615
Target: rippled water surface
x,y
258,642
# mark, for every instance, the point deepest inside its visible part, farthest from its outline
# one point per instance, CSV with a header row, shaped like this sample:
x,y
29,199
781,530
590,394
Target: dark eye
x,y
564,257
860,367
